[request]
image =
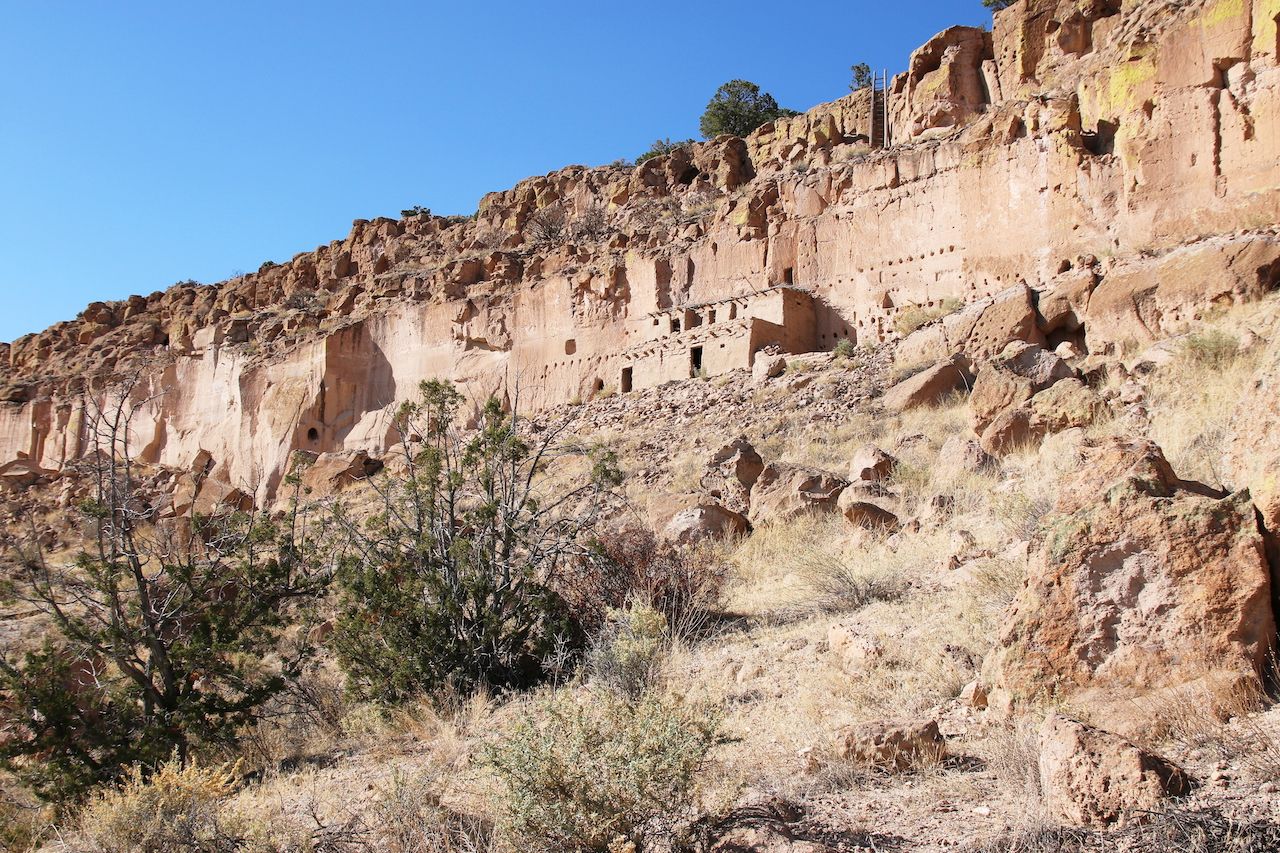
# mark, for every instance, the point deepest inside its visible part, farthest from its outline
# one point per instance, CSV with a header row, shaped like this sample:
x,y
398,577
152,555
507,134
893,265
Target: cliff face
x,y
1119,158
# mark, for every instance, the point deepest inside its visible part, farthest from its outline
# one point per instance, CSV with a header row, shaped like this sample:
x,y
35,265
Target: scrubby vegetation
x,y
737,108
593,776
162,639
662,147
452,583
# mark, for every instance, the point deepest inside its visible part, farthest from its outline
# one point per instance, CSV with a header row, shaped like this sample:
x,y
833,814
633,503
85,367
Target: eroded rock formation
x,y
1107,158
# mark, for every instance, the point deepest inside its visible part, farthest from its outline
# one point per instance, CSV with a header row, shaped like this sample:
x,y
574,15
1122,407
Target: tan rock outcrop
x,y
784,491
892,744
1094,778
930,386
731,472
871,465
1144,582
1111,165
704,522
864,513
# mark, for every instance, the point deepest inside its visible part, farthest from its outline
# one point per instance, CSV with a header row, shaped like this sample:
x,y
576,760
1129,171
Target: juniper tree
x,y
163,638
452,582
739,107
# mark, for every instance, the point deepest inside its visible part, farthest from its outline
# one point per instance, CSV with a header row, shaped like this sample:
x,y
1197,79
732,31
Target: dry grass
x,y
912,317
1191,400
1218,716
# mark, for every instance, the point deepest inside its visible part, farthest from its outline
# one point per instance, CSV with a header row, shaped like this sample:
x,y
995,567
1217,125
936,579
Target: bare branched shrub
x,y
590,226
651,212
488,237
303,299
547,224
1041,837
633,565
1202,830
1220,714
837,586
409,818
696,205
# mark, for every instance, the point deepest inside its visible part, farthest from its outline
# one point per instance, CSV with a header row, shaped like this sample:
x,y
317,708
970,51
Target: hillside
x,y
952,406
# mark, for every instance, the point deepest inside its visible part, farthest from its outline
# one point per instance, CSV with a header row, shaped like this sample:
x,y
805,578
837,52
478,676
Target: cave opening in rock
x,y
313,435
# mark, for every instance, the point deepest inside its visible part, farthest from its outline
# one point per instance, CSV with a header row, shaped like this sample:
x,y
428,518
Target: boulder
x,y
767,366
1146,298
980,329
1065,405
943,87
1035,363
704,522
962,454
1063,302
994,391
1004,409
215,497
1144,582
892,744
731,472
864,513
1090,777
331,472
784,491
854,650
1012,429
931,385
871,465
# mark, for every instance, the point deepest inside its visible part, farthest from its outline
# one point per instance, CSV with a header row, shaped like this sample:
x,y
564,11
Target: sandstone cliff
x,y
1119,159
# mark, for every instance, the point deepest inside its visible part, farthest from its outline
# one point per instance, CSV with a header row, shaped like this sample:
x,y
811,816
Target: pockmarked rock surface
x,y
1144,582
1124,155
892,744
1090,777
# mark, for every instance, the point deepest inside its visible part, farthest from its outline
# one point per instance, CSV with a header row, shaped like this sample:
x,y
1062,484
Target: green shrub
x,y
591,774
661,148
859,76
158,644
628,653
844,349
1213,348
451,583
739,107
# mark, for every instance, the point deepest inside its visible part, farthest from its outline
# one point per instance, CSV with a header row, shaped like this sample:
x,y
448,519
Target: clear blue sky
x,y
146,143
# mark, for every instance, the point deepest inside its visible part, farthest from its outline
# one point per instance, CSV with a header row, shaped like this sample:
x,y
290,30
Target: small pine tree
x,y
158,641
860,76
997,5
739,107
